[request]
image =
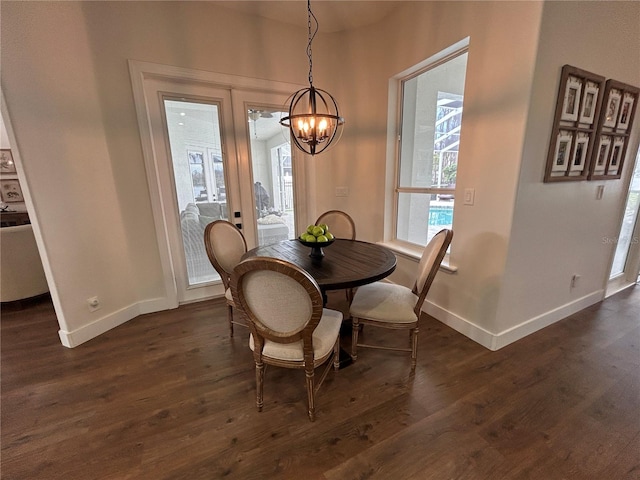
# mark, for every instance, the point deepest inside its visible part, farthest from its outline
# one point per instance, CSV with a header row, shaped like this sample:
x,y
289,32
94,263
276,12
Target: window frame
x,y
394,140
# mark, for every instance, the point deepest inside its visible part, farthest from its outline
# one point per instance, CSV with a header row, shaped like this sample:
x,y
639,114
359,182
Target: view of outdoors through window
x,y
431,120
272,173
626,238
196,153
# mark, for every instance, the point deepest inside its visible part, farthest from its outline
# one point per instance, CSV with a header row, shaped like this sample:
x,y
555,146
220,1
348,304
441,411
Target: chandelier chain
x,y
311,36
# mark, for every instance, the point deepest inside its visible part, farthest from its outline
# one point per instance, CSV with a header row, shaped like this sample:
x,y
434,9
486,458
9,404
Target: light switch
x,y
469,196
342,191
599,192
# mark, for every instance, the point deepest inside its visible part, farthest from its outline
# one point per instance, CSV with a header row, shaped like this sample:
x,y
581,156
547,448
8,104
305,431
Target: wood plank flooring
x,y
171,396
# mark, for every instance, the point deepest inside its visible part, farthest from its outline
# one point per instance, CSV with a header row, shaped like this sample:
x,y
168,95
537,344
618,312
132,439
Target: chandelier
x,y
314,119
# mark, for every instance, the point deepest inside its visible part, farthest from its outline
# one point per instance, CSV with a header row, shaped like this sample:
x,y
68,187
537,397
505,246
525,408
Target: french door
x,y
215,151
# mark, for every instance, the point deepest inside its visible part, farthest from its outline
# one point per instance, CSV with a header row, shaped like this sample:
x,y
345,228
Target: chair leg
x,y
355,328
414,348
259,385
230,317
309,373
336,354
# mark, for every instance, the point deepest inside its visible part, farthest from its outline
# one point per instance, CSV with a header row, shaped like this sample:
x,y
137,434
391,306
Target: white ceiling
x,y
332,15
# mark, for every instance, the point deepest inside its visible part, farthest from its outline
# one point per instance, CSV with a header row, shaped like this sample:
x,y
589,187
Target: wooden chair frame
x,y
349,291
225,275
411,326
261,332
340,213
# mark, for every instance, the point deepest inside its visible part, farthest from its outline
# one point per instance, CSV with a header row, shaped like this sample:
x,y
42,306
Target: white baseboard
x,y
494,341
87,332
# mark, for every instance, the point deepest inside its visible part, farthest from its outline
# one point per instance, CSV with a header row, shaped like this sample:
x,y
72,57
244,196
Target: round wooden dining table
x,y
345,264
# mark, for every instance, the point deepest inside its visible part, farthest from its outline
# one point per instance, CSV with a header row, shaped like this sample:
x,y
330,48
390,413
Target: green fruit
x,y
310,228
329,236
322,239
310,238
317,231
325,227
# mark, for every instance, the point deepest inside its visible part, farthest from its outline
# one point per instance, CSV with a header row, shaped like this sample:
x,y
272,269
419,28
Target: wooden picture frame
x,y
573,137
10,191
613,129
6,161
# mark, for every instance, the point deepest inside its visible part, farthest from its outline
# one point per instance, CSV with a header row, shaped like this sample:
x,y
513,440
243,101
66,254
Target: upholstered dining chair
x,y
388,305
225,245
289,326
340,224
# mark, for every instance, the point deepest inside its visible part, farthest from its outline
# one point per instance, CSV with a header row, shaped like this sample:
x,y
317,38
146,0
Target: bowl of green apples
x,y
317,237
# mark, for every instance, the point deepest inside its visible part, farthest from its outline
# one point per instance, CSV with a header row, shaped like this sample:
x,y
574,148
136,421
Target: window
x,y
196,167
430,123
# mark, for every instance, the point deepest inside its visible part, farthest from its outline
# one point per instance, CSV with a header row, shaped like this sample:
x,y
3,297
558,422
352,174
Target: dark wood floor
x,y
171,396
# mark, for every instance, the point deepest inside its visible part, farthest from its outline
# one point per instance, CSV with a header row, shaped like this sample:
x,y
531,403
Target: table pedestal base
x,y
345,358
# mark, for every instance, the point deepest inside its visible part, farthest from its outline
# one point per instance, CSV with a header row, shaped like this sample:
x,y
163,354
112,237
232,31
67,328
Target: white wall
x,y
560,228
53,100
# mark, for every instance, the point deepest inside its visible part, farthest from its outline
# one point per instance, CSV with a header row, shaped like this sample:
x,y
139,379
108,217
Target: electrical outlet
x,y
574,280
93,303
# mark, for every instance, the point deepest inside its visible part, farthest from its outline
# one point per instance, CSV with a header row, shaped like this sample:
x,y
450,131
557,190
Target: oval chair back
x,y
341,225
429,264
225,245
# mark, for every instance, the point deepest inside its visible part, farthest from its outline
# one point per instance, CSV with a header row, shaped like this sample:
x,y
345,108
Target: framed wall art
x,y
601,154
579,153
571,100
573,134
10,191
6,161
613,129
564,140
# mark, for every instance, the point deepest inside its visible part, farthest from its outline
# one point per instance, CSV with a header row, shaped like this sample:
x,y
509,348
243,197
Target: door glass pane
x,y
272,175
625,240
198,169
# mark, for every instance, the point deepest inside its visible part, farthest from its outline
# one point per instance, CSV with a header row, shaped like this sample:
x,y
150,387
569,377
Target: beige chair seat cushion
x,y
324,338
385,302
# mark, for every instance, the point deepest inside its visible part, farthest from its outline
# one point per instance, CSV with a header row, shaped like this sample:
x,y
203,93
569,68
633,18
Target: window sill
x,y
413,252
